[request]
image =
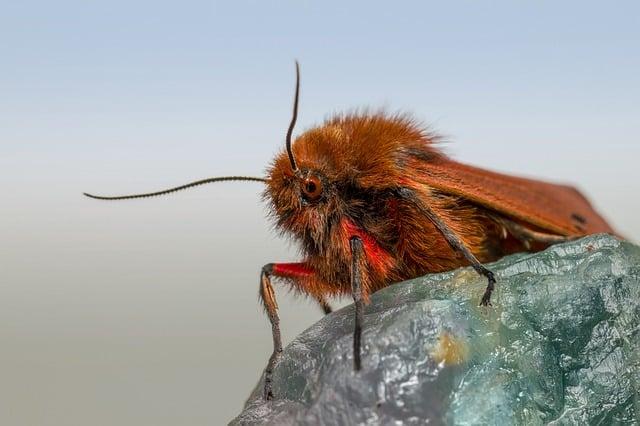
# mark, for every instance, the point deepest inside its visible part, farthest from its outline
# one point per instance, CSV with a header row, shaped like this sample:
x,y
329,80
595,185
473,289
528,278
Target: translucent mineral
x,y
560,345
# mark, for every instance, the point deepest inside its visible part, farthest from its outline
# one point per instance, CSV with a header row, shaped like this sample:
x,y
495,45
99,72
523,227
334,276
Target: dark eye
x,y
312,187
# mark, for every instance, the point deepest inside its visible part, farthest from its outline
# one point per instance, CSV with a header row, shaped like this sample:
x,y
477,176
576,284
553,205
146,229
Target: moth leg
x,y
356,290
294,272
268,297
324,304
527,235
456,243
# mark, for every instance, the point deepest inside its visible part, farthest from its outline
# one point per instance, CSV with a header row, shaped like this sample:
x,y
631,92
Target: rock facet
x,y
559,346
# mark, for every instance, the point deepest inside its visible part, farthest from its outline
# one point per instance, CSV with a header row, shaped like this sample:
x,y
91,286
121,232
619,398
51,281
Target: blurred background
x,y
145,312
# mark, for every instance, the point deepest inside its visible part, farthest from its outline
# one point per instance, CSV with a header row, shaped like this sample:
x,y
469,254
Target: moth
x,y
372,201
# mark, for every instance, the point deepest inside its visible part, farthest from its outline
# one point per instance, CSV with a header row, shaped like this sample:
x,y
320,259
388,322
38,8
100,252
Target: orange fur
x,y
362,159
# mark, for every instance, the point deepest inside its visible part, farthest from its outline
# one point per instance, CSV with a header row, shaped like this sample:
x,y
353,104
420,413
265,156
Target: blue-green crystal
x,y
559,346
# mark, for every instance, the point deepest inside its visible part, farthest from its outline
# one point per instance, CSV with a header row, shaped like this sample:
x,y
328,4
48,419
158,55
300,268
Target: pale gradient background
x,y
145,312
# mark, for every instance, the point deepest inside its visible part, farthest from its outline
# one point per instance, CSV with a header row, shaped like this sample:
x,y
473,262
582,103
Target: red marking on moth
x,y
377,257
292,270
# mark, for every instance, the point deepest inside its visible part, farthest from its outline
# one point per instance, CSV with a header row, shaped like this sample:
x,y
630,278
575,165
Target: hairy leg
x,y
324,304
294,272
455,242
357,252
527,235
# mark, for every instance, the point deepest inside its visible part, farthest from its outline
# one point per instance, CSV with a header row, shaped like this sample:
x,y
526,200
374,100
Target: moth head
x,y
303,202
333,170
301,189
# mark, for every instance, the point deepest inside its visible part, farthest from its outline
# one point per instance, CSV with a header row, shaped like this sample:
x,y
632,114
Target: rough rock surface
x,y
559,346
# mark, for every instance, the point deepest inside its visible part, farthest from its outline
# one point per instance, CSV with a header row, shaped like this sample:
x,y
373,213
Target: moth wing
x,y
551,207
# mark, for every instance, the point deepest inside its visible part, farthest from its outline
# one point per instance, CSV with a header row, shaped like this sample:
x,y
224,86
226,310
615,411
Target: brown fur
x,y
361,160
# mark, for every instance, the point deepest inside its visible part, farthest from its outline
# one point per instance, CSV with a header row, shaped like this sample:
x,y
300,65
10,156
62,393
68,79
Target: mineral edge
x,y
559,346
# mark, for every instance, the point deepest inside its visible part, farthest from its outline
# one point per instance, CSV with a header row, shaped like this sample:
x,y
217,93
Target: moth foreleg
x,y
295,273
268,298
356,290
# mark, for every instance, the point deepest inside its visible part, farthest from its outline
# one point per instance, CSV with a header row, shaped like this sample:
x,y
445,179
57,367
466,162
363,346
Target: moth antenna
x,y
292,160
177,188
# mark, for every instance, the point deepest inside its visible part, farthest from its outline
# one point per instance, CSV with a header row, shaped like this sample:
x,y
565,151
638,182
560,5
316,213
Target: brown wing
x,y
555,208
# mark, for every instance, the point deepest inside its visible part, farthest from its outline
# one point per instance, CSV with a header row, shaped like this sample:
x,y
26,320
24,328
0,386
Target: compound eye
x,y
312,187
